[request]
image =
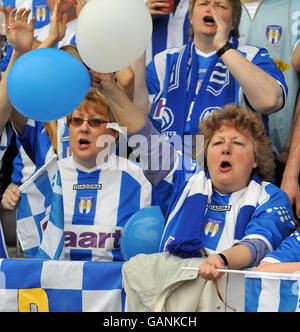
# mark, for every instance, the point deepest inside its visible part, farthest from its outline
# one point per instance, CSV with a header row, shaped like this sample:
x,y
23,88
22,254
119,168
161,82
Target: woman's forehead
x,y
91,109
215,1
231,129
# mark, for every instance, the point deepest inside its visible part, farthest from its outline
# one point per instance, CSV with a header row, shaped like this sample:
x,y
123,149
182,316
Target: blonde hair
x,y
51,126
236,16
245,121
94,98
71,49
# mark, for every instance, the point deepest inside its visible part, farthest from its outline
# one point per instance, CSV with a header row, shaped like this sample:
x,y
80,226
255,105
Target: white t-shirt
x,y
251,7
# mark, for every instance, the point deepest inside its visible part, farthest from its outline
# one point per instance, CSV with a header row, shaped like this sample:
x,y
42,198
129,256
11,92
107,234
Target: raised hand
x,y
105,83
78,5
58,23
222,32
19,32
3,17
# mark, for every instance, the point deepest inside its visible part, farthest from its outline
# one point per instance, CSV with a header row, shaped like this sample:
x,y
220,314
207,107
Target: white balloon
x,y
112,34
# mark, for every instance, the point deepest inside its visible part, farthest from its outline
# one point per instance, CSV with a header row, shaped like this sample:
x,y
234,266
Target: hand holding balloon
x,y
104,82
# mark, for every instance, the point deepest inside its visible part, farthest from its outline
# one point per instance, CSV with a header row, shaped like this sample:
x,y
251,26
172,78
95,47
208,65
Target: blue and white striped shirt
x,y
95,205
288,251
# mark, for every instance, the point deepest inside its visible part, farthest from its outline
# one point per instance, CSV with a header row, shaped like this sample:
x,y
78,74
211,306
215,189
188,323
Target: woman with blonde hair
x,y
40,141
96,191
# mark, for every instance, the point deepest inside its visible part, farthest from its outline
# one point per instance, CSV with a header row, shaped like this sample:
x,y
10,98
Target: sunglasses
x,y
77,121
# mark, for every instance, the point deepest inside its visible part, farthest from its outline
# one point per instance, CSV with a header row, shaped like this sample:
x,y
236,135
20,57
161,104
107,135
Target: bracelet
x,y
224,259
223,49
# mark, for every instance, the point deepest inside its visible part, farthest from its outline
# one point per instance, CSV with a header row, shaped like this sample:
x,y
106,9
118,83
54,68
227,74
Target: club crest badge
x,y
85,204
273,33
41,11
212,227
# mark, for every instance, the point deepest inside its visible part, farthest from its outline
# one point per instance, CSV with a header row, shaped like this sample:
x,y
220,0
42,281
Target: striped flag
x,y
34,207
5,137
60,286
272,292
87,286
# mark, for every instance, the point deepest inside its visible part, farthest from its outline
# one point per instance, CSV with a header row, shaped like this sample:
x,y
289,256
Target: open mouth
x,y
225,165
83,142
208,19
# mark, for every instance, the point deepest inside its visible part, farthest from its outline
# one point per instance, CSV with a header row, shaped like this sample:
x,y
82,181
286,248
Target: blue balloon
x,y
47,84
142,232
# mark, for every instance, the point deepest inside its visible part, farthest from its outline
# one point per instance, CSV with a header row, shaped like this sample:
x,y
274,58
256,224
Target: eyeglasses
x,y
77,121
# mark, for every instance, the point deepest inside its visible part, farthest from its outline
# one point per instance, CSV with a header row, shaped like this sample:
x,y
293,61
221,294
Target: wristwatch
x,y
224,259
223,49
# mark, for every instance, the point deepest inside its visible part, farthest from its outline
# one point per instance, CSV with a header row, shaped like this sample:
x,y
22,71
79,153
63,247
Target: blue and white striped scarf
x,y
185,223
217,89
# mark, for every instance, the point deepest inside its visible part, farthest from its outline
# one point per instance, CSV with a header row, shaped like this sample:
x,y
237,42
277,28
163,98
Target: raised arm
x,y
263,92
126,113
141,95
58,23
5,105
78,5
125,80
19,33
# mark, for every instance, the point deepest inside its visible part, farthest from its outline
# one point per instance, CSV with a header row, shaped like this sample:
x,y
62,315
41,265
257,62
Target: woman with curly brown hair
x,y
232,115
227,214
